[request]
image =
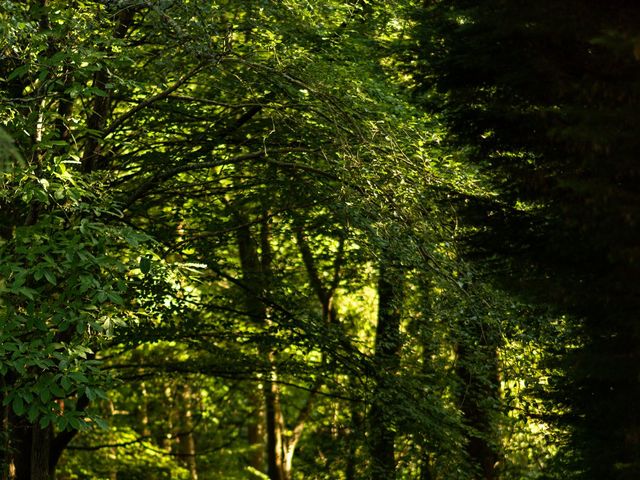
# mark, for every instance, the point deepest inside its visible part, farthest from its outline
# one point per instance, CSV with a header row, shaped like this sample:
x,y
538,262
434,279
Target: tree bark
x,y
475,401
387,359
255,429
40,452
186,438
255,273
19,454
352,458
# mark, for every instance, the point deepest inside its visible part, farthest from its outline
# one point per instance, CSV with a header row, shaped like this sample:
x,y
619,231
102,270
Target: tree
x,y
231,239
542,95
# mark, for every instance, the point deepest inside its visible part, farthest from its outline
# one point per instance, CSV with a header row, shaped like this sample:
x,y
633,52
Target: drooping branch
x,y
93,448
141,441
304,414
153,99
338,261
159,178
309,263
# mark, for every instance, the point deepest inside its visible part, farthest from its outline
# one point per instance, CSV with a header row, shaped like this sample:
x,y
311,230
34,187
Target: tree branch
x,y
188,167
309,263
337,264
62,440
303,415
164,94
92,448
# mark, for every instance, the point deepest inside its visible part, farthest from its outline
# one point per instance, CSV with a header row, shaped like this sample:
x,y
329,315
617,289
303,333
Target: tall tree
x,y
544,95
387,362
206,201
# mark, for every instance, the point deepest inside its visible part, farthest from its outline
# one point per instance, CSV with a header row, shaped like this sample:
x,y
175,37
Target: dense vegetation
x,y
350,240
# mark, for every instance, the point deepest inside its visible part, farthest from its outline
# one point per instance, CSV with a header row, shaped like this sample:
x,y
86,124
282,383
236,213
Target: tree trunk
x,y
274,432
40,452
425,466
187,439
475,403
113,451
19,453
29,455
426,288
255,431
387,359
352,459
255,273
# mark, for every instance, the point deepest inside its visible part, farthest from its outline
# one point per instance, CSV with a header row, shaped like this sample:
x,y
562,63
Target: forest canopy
x,y
287,240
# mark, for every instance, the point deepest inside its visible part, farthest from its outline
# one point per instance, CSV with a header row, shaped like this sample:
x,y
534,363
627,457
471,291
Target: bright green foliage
x,y
199,203
63,290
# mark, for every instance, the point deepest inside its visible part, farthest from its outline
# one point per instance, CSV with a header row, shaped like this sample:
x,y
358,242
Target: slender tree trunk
x,y
187,439
255,272
477,396
102,105
387,358
274,433
425,466
256,429
288,462
4,436
168,441
427,368
143,413
325,295
113,452
352,460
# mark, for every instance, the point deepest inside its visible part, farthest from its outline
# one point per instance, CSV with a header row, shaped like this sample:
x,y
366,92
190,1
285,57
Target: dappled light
x,y
289,240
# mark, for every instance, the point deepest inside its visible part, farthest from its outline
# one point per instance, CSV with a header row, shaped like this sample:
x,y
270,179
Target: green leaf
x,y
51,278
96,91
90,394
145,265
66,383
45,395
27,292
18,406
57,390
115,298
20,279
61,422
76,423
33,412
44,422
78,377
18,72
101,423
